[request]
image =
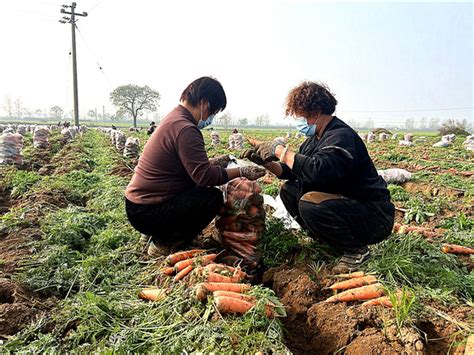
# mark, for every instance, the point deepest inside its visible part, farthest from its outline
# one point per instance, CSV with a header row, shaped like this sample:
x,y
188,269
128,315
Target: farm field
x,y
71,266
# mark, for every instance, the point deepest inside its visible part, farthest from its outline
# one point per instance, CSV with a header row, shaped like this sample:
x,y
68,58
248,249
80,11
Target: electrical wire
x,y
94,56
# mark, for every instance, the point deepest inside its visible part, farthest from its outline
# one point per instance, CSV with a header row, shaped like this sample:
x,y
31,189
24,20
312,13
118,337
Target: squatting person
x,y
333,189
171,196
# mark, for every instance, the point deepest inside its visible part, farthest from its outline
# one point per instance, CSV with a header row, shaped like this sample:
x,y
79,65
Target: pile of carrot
x,y
242,220
426,232
357,287
182,263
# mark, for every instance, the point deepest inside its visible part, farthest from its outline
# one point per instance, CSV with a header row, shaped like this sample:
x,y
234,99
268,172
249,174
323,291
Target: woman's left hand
x,y
267,150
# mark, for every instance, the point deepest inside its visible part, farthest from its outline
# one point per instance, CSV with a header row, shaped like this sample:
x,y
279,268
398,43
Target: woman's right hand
x,y
253,156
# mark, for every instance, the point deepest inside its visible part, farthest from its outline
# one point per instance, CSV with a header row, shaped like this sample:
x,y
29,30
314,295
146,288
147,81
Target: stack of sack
x,y
383,136
242,221
132,148
40,138
11,145
370,137
469,142
67,134
112,136
120,140
21,129
407,140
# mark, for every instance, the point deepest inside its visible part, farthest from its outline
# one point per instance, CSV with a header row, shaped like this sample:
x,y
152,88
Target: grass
x,y
88,256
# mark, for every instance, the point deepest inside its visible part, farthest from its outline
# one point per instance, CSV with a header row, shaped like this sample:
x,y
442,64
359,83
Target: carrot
x,y
253,211
253,142
182,255
152,294
235,271
204,288
351,275
469,345
358,294
354,283
384,301
205,259
215,277
456,249
237,295
180,275
168,271
232,305
380,301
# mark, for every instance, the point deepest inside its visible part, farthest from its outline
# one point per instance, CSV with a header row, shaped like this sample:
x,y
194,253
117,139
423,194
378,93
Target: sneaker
x,y
156,250
352,260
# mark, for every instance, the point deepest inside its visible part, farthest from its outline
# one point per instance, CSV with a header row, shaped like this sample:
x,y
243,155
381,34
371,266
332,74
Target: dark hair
x,y
309,99
208,89
235,130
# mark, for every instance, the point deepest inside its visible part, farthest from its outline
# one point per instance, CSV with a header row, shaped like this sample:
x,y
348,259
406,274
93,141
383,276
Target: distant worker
x,y
151,128
114,128
215,137
236,140
333,189
172,195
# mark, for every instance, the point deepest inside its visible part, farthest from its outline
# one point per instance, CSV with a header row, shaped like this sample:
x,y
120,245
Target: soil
x,y
314,327
18,307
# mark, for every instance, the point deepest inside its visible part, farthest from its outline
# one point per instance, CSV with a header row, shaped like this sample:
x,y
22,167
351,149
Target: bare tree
x,y
18,107
133,100
8,106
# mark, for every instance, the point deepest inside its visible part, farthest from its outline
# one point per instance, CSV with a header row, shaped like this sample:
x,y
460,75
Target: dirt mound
x,y
15,310
122,169
314,327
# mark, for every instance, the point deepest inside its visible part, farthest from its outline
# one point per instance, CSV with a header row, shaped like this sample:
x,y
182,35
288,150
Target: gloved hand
x,y
221,160
252,172
252,155
267,150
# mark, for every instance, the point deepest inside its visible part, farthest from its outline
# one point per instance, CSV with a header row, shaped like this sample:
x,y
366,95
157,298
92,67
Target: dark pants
x,y
178,220
344,224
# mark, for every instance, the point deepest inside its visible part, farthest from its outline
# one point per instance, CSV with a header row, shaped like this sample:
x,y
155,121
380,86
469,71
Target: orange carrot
x,y
215,277
253,211
253,142
354,283
152,294
205,259
204,288
380,301
182,255
180,275
232,305
240,296
385,300
358,294
352,275
456,249
168,271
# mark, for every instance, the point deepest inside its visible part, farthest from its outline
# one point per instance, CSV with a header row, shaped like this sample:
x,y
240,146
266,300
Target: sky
x,y
384,61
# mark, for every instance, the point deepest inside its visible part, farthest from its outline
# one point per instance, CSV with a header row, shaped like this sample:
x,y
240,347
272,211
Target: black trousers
x,y
344,224
178,220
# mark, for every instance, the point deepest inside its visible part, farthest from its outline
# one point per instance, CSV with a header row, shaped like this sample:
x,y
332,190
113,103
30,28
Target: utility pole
x,y
72,20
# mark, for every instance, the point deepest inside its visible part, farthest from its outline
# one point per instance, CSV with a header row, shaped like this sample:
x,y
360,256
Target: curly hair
x,y
310,99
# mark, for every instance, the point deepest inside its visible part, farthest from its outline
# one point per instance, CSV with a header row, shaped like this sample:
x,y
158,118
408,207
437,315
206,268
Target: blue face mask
x,y
303,126
203,124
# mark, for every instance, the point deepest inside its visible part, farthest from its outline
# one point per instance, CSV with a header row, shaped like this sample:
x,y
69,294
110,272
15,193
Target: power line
x,y
415,110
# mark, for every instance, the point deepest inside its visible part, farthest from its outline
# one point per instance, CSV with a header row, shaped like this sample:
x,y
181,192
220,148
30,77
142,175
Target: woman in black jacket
x,y
333,189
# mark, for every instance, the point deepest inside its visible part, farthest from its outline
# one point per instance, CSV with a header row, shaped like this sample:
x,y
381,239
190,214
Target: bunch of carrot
x,y
242,220
358,287
183,262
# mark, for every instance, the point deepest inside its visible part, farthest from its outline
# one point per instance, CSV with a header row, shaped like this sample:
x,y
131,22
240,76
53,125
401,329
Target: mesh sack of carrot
x,y
242,220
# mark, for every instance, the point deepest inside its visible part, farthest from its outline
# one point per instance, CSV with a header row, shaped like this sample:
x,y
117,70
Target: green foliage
x,y
272,189
413,261
398,193
460,222
20,181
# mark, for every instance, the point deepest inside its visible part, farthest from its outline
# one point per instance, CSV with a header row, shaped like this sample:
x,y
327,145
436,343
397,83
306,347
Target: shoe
x,y
156,250
352,260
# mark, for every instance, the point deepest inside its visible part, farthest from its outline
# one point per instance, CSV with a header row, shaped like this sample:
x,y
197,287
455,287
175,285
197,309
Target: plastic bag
x,y
242,220
120,140
405,143
395,176
280,211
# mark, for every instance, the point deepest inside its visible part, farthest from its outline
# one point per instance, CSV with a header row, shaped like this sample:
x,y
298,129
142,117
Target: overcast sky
x,y
374,56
